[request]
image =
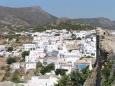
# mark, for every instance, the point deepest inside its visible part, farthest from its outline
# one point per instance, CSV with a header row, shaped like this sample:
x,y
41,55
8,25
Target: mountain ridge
x,y
12,18
24,17
99,22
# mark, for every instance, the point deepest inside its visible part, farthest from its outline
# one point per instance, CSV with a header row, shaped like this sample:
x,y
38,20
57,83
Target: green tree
x,y
106,70
38,68
43,70
73,36
86,72
64,81
17,39
10,49
16,77
47,69
10,60
75,78
50,67
39,65
25,53
106,73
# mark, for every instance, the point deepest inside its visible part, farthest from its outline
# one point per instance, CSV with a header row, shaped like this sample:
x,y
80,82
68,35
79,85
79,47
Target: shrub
x,y
10,49
47,68
16,77
11,60
25,53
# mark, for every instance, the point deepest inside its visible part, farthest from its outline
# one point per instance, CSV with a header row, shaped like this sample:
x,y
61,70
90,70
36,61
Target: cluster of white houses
x,y
58,47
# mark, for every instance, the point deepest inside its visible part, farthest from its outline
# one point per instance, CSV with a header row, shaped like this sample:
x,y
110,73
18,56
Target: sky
x,y
69,8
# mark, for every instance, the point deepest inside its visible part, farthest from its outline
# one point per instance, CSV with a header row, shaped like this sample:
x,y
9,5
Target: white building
x,y
57,46
2,47
67,66
2,50
50,48
30,65
15,66
35,55
16,53
33,58
88,47
44,80
29,46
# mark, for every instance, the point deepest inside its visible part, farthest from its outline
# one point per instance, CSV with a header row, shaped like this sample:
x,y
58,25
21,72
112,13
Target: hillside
x,y
99,22
21,17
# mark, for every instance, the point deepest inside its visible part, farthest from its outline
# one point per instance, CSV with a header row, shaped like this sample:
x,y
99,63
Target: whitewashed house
x,y
29,46
88,47
30,65
43,80
62,65
80,34
2,53
50,48
15,66
2,47
2,50
35,55
16,53
8,54
33,58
